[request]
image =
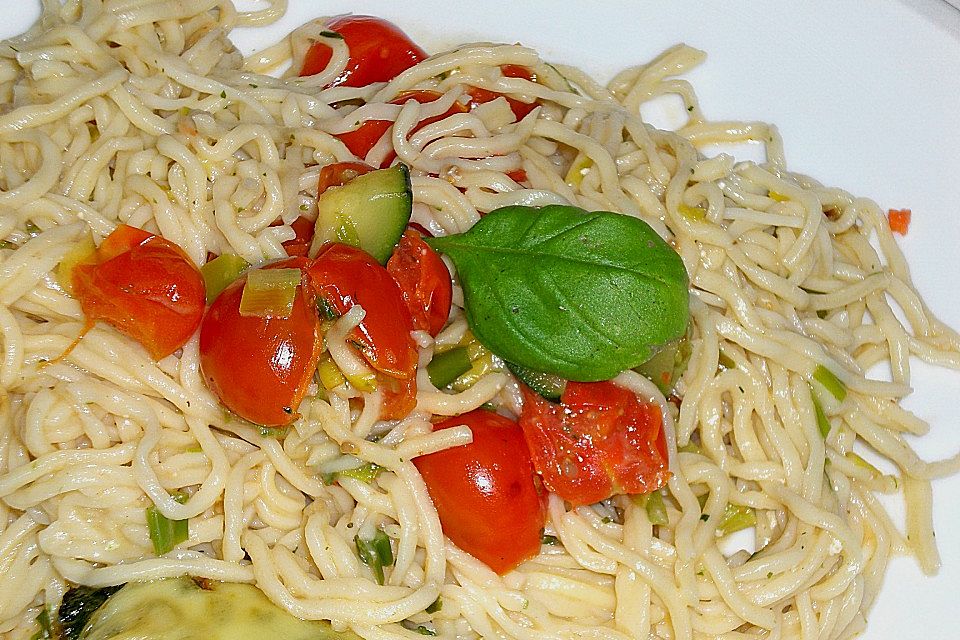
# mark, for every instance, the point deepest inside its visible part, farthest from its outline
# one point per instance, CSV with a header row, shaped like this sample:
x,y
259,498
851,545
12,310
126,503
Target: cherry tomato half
x,y
143,285
344,276
424,282
486,493
259,367
599,441
300,245
379,51
339,174
520,109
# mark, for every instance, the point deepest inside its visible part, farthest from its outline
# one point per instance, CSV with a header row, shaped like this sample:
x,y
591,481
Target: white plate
x,y
866,96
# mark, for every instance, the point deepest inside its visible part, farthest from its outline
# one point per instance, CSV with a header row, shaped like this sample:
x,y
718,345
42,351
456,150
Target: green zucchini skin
x,y
370,212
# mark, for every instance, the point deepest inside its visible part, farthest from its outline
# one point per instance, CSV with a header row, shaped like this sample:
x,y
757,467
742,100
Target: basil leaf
x,y
559,290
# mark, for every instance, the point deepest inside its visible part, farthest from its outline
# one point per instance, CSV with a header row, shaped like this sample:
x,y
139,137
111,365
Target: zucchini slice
x,y
370,212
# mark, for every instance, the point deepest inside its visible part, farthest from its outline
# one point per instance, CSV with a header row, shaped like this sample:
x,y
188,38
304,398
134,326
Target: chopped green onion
x,y
547,385
220,272
830,382
165,534
735,518
46,629
270,293
364,473
436,606
690,447
656,508
329,373
448,366
548,539
272,432
823,424
375,553
424,631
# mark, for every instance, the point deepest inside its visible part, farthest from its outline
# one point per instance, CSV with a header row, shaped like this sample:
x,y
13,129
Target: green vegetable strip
x,y
165,533
656,508
375,553
823,424
448,366
364,473
46,630
436,606
220,272
270,293
735,518
830,382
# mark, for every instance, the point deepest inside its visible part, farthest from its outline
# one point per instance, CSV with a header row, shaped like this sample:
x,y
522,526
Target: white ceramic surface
x,y
866,95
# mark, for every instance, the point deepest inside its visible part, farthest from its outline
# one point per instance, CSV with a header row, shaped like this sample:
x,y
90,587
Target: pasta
x,y
142,112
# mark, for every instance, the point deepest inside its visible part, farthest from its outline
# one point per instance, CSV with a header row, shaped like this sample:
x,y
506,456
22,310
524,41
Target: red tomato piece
x,y
379,51
899,220
599,441
424,282
143,285
300,245
259,367
399,397
364,137
344,276
486,492
519,175
340,173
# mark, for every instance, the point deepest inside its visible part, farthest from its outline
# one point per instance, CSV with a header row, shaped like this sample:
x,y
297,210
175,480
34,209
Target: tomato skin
x,y
339,174
143,285
599,441
379,51
260,368
344,276
300,245
486,493
424,281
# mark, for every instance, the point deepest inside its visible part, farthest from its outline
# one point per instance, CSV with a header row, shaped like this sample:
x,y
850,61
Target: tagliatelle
x,y
143,113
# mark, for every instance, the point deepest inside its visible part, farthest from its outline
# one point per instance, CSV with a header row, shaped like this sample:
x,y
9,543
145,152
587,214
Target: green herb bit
x,y
364,473
548,539
223,94
436,606
735,518
46,630
6,244
424,631
822,314
165,534
376,553
823,424
830,382
331,34
448,366
220,272
272,432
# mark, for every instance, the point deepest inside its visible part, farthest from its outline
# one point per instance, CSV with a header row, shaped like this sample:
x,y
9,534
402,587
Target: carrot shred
x,y
899,220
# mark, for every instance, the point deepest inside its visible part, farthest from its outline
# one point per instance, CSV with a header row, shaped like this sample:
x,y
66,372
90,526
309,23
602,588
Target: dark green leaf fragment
x,y
579,295
79,603
448,366
331,34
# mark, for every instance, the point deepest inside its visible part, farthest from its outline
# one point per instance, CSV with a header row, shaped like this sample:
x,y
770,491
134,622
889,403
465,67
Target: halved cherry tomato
x,y
340,173
143,285
486,493
599,441
344,276
379,51
259,367
424,282
300,245
364,137
520,109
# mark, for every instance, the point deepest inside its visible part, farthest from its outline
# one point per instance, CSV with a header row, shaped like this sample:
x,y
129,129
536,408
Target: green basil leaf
x,y
559,290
